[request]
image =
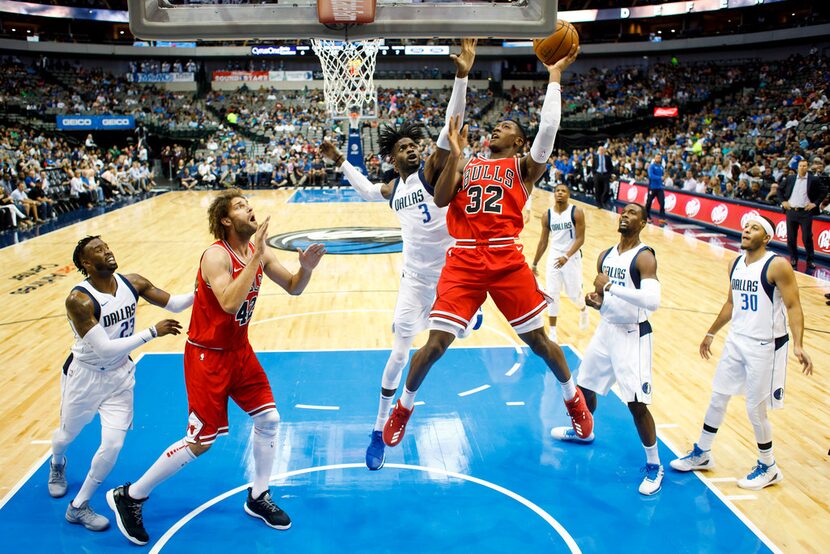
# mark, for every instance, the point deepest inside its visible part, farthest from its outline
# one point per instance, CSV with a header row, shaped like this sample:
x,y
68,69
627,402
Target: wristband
x,y
607,287
710,335
153,331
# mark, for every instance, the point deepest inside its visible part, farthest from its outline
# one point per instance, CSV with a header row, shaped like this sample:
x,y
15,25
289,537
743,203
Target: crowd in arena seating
x,y
42,175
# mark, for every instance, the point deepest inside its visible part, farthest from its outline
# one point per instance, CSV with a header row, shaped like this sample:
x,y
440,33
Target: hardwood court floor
x,y
348,304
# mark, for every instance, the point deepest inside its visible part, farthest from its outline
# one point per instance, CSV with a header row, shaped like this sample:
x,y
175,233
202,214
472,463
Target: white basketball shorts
x,y
567,277
415,298
86,391
754,368
619,353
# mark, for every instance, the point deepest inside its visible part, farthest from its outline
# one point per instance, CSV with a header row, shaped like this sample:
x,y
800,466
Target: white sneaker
x,y
583,319
761,476
567,434
653,481
552,335
696,459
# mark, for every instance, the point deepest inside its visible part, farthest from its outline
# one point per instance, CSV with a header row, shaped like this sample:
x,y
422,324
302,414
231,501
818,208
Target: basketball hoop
x,y
354,120
348,76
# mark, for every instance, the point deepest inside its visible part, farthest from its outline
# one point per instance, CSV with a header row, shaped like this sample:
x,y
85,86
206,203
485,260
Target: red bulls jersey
x,y
490,201
210,325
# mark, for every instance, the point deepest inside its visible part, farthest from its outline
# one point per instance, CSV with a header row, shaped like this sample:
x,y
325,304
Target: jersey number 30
x,y
749,302
246,311
492,204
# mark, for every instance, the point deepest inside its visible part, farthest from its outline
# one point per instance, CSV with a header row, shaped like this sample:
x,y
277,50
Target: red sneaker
x,y
581,418
396,424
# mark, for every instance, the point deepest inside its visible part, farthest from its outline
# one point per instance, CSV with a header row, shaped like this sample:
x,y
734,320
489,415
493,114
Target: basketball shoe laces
x,y
135,508
758,470
267,503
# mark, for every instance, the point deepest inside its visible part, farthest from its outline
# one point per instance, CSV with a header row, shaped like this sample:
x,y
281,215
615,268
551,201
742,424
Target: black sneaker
x,y
265,509
128,514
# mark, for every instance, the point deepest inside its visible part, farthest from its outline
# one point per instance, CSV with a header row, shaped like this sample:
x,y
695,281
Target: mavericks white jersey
x,y
621,268
757,309
562,231
116,314
423,226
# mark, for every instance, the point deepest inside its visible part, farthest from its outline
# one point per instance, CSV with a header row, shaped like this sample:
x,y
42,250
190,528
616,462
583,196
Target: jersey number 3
x,y
245,312
492,203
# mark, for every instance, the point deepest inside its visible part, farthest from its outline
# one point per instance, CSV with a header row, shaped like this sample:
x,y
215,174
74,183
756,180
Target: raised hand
x,y
329,151
464,61
310,257
168,327
260,236
458,139
556,69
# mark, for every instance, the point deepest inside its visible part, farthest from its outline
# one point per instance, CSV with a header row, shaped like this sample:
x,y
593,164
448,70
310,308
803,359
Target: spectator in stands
x,y
603,170
186,180
298,176
690,184
16,218
800,195
24,203
655,186
45,204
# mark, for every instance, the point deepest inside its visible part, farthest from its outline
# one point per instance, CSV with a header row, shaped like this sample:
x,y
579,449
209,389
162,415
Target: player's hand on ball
x,y
310,257
600,282
806,362
593,300
705,347
168,327
563,64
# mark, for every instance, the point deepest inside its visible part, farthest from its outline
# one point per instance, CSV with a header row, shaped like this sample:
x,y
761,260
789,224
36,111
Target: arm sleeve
x,y
548,124
106,347
179,303
646,297
456,106
365,188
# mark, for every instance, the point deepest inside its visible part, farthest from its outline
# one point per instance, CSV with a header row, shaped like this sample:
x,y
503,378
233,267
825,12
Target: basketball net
x,y
348,76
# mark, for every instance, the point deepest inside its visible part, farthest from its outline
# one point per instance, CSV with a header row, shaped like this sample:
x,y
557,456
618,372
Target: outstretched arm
x,y
450,178
534,165
367,190
455,107
158,297
293,283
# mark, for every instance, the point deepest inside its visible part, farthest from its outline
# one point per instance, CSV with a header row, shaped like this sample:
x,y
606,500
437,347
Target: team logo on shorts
x,y
778,394
343,240
647,388
194,425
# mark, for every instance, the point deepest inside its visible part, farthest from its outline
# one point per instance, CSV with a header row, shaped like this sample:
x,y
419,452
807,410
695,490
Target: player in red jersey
x,y
485,199
219,362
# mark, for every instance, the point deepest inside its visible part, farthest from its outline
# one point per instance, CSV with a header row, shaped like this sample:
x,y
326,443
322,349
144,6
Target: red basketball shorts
x,y
470,273
213,376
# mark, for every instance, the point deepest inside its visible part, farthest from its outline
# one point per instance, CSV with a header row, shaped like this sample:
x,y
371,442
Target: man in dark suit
x,y
800,195
603,169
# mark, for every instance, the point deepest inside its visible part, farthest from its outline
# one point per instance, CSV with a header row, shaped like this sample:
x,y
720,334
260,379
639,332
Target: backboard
x,y
295,19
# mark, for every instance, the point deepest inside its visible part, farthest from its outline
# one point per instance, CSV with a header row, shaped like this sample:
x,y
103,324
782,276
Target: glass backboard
x,y
294,19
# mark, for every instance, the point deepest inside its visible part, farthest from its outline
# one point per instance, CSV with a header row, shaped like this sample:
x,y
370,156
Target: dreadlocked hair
x,y
389,135
79,252
218,210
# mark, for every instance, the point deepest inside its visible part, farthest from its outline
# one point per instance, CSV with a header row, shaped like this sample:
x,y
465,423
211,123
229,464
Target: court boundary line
x,y
711,486
549,519
25,479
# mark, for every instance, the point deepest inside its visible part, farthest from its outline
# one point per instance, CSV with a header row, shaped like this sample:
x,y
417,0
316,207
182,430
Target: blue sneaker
x,y
653,481
375,455
568,434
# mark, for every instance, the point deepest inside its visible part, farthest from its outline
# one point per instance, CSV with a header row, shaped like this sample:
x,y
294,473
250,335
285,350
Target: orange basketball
x,y
552,49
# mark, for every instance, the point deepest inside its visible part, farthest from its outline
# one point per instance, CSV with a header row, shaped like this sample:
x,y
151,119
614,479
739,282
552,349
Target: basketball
x,y
552,49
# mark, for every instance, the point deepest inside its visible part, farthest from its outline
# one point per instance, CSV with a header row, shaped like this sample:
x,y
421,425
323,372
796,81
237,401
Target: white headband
x,y
763,223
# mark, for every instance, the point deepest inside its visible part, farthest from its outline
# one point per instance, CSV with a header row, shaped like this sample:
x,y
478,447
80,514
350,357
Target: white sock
x,y
408,398
265,434
652,456
706,439
175,457
568,389
383,411
766,456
